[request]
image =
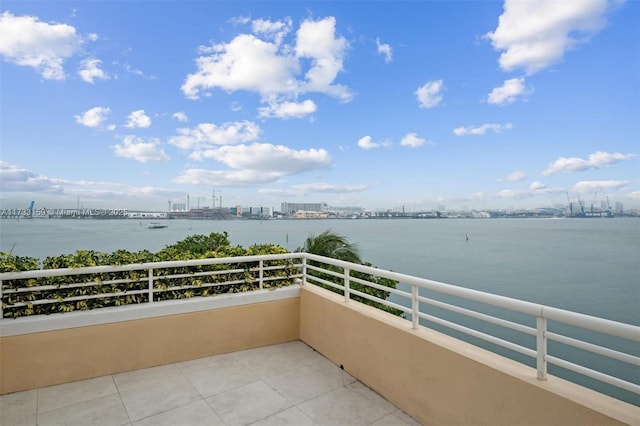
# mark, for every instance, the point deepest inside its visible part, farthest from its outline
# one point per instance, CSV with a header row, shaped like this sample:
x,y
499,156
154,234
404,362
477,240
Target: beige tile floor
x,y
287,384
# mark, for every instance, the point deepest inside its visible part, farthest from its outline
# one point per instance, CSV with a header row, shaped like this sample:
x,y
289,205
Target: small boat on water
x,y
156,225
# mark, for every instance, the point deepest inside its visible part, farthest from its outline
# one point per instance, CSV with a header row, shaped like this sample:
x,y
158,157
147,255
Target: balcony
x,y
297,353
288,383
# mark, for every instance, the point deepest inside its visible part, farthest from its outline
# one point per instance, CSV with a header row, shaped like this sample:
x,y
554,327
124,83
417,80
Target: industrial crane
x,y
570,204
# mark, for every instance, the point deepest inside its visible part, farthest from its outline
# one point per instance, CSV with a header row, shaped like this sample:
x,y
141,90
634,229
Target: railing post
x,y
415,307
150,285
347,293
541,347
261,273
1,313
304,270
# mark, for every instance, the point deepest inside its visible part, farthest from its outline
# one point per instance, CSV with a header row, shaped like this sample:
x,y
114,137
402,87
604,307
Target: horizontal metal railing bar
x,y
108,283
623,384
220,284
161,278
602,325
597,349
325,271
157,276
137,266
478,334
203,285
270,268
77,298
61,272
381,301
380,287
311,279
70,286
132,292
474,314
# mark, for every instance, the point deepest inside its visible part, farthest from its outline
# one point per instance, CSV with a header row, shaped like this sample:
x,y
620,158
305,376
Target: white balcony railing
x,y
150,281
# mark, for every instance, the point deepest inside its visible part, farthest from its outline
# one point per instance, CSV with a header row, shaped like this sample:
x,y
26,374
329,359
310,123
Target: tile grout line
x,y
202,397
214,410
121,400
37,405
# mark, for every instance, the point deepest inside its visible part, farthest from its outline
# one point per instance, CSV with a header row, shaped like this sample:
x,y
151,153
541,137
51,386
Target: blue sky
x,y
376,104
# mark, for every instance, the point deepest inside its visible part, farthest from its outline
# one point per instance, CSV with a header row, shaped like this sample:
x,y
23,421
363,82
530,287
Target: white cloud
x,y
385,50
271,67
270,158
137,72
240,20
537,186
17,179
245,63
90,70
286,109
93,117
535,189
209,135
137,149
63,192
509,193
516,177
255,164
508,92
317,41
26,41
595,161
412,140
599,185
533,35
366,142
272,30
138,119
481,130
180,116
429,95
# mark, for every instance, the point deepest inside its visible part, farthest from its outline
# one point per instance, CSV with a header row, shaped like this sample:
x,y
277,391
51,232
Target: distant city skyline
x,y
421,105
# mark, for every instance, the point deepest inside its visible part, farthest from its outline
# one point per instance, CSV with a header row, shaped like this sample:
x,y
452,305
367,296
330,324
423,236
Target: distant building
x,y
254,212
179,207
292,208
619,207
346,210
305,214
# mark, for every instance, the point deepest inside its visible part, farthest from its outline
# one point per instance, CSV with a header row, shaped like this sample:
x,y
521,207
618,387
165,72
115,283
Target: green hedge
x,y
57,289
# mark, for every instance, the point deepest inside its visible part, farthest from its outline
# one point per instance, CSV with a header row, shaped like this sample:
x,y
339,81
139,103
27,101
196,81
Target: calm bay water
x,y
586,265
591,266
